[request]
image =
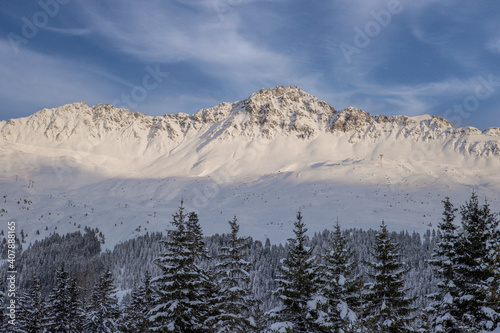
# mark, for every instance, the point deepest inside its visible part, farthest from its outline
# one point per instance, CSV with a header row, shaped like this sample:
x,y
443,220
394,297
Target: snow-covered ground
x,y
261,159
266,207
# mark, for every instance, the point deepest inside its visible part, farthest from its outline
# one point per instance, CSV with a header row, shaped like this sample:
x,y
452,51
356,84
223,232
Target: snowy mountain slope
x,y
283,119
265,207
261,158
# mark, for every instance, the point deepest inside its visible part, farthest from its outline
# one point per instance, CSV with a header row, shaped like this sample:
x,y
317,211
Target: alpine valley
x,y
262,159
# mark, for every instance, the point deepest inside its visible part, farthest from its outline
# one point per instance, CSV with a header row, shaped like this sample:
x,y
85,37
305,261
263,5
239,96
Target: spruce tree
x,y
260,323
135,317
183,290
475,270
4,314
388,308
234,300
63,304
75,306
103,312
207,289
32,310
491,286
194,234
444,308
339,286
298,284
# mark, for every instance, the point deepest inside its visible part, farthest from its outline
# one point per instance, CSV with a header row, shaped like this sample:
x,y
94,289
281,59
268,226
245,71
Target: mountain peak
x,y
280,91
278,112
284,99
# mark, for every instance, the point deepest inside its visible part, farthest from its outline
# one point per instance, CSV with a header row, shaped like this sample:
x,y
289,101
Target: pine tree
x,y
184,289
340,288
444,311
234,300
491,286
388,308
135,317
474,268
75,307
298,284
362,309
63,304
195,237
103,312
260,323
32,310
207,289
4,314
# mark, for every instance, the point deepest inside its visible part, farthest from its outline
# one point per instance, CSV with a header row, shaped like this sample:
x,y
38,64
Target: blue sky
x,y
383,56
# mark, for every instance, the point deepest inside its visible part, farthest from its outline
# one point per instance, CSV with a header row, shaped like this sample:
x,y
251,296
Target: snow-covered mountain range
x,y
277,151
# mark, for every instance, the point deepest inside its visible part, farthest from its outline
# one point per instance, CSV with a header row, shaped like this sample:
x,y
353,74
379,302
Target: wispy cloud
x,y
193,33
32,78
157,34
493,45
70,31
430,53
406,99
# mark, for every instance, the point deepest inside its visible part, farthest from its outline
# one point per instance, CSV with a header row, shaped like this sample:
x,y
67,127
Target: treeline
x,y
336,281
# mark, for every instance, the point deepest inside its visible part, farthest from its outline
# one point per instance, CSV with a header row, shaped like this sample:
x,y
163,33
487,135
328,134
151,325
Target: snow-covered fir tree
x,y
75,306
261,320
4,314
135,316
130,259
298,285
207,289
388,309
64,310
474,269
339,285
444,308
234,301
183,289
32,313
195,240
491,287
102,313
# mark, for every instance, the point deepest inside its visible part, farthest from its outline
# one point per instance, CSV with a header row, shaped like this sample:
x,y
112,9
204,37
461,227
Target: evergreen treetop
x,y
298,283
388,309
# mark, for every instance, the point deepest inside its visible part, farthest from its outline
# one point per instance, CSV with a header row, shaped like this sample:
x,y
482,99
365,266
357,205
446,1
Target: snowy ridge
x,y
266,114
119,142
261,158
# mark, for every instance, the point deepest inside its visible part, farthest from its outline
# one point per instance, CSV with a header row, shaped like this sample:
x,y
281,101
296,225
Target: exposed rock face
x,y
268,113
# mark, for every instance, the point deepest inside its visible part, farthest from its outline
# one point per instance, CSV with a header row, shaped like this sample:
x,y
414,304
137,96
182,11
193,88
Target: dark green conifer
x,y
388,308
339,287
184,290
298,283
103,311
234,300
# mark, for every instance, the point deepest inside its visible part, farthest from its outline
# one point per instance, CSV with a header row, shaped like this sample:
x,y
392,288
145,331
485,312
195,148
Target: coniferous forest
x,y
446,280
